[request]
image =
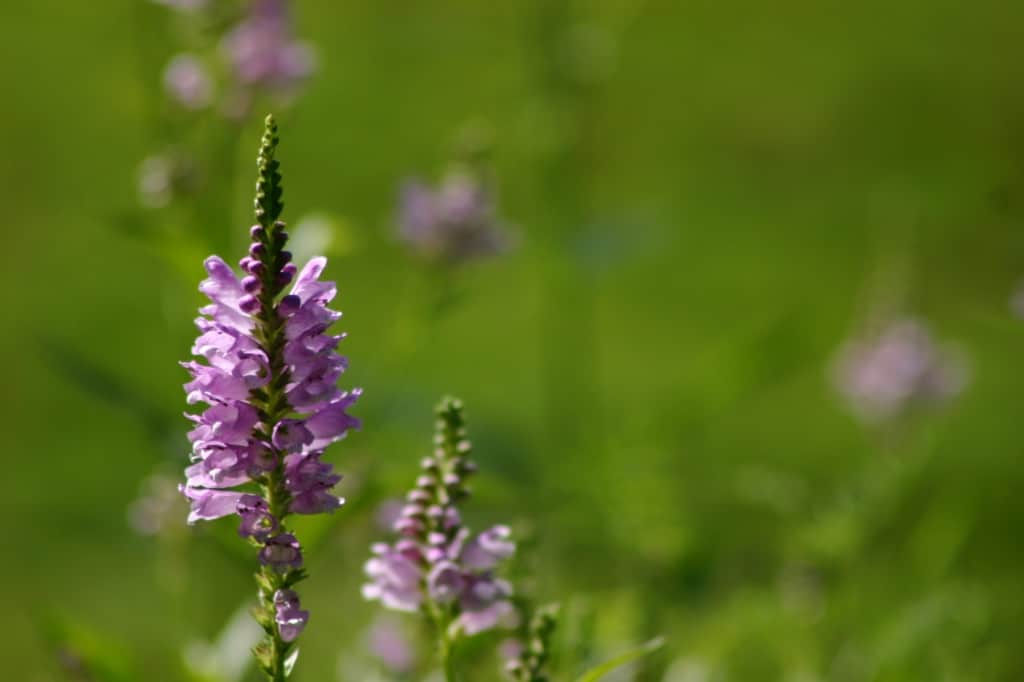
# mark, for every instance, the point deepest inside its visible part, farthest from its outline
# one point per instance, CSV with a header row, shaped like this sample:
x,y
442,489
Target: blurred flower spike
x,y
437,566
188,82
256,55
527,662
263,53
896,370
454,222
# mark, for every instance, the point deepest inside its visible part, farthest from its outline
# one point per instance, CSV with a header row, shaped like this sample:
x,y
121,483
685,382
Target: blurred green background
x,y
709,197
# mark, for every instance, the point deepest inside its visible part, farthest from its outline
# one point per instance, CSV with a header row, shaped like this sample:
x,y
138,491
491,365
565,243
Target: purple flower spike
x,y
266,373
291,620
437,560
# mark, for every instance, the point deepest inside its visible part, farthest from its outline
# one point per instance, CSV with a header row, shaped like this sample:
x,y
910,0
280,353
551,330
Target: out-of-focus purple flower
x,y
901,366
488,548
262,51
290,618
510,648
187,82
388,643
436,560
455,222
498,613
395,576
387,513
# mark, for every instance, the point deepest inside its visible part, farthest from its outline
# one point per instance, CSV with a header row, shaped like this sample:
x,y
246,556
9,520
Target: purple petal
x,y
210,504
331,423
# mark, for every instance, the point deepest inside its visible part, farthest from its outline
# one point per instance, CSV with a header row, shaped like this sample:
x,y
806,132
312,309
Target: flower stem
x,y
273,651
447,652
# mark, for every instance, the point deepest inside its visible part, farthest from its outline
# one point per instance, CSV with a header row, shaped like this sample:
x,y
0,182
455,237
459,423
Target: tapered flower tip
x,y
312,270
331,423
222,285
216,267
447,405
307,285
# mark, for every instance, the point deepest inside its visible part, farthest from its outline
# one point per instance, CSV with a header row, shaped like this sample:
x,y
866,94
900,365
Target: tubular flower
x,y
436,564
266,372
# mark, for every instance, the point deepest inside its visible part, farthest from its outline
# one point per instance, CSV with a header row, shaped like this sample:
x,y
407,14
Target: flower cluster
x,y
896,369
239,53
259,52
188,83
437,565
455,222
262,52
268,380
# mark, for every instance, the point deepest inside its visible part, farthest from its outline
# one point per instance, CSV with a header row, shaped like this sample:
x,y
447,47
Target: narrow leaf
x,y
596,673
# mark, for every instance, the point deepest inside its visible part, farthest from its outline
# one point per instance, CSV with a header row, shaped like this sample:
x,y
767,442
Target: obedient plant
x,y
267,376
436,567
259,55
454,222
528,665
262,52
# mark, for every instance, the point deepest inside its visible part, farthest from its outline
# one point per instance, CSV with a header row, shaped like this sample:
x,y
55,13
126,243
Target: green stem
x,y
269,332
447,647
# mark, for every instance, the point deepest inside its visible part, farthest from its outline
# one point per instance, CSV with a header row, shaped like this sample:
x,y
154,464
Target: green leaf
x,y
595,674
